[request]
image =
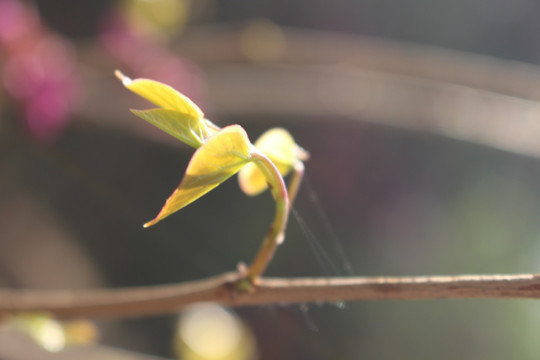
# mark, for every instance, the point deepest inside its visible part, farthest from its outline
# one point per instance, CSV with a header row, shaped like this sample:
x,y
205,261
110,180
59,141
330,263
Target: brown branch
x,y
222,289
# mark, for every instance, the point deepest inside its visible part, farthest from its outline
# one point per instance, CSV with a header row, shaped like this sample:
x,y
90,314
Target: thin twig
x,y
276,232
222,289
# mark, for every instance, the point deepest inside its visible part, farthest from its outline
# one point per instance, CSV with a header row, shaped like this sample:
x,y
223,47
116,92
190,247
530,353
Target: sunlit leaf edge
x,y
222,156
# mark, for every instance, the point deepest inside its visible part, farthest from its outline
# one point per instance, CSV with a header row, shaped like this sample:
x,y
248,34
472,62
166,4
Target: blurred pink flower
x,y
39,71
16,21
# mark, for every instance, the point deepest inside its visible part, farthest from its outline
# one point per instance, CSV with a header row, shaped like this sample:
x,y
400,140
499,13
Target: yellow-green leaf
x,y
279,146
253,182
177,116
215,161
182,126
163,96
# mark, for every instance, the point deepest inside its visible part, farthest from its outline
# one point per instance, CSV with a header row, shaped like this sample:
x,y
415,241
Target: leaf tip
x,y
123,78
149,223
302,154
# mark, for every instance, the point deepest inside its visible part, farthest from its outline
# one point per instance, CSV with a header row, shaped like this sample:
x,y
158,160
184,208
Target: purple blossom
x,y
39,71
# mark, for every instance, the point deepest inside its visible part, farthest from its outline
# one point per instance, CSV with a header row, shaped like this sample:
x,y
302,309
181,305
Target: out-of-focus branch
x,y
221,289
323,76
223,45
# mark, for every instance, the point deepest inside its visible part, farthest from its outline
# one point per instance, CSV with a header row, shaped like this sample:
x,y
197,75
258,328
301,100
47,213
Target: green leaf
x,y
215,161
163,96
182,126
279,146
177,115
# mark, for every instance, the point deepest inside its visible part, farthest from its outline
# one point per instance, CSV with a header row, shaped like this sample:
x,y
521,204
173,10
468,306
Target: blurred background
x,y
423,123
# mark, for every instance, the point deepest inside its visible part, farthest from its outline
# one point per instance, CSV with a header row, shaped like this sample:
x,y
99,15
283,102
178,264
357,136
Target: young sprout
x,y
221,153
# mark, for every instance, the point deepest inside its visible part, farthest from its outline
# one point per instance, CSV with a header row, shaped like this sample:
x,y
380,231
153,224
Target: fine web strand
x,y
328,228
323,258
325,261
308,321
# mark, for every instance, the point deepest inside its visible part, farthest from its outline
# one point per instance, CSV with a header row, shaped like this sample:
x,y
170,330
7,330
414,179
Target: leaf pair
x,y
177,115
220,152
